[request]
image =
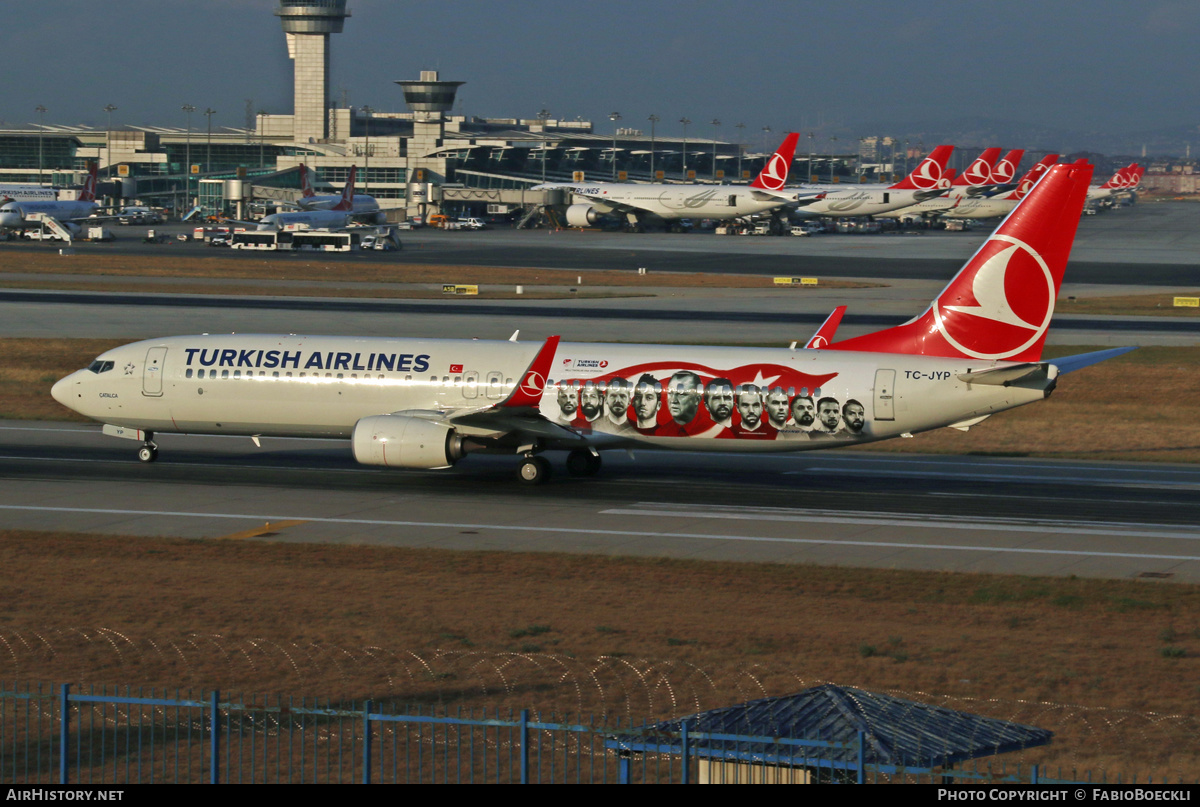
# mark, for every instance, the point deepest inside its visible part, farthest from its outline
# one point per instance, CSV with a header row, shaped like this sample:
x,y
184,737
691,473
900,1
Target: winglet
x,y
533,382
824,334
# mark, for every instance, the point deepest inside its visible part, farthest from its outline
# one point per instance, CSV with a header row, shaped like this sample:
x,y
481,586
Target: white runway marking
x,y
653,534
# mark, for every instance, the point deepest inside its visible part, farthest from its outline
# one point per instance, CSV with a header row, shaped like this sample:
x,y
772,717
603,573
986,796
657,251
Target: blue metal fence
x,y
109,736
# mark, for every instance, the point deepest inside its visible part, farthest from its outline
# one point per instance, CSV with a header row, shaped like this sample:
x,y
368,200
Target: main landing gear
x,y
535,470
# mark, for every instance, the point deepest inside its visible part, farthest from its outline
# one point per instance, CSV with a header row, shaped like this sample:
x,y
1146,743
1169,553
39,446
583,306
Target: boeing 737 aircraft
x,y
427,403
927,181
638,203
15,215
366,208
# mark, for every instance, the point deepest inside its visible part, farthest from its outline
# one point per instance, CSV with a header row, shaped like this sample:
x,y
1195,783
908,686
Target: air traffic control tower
x,y
307,25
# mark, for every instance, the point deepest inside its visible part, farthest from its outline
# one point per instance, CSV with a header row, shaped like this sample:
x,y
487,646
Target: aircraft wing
x,y
789,198
519,415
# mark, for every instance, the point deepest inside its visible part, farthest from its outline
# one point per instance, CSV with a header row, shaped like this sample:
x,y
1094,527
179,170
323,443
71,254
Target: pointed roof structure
x,y
896,733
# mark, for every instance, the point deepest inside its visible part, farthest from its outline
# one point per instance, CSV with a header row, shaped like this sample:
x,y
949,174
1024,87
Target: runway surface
x,y
830,508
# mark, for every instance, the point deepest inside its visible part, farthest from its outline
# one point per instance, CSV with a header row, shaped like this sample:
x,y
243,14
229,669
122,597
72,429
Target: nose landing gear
x,y
148,452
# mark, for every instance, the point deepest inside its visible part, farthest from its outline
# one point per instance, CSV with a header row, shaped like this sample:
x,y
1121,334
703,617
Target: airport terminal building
x,y
415,160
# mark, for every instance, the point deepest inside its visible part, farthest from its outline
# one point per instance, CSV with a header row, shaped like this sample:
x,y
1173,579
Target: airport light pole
x,y
654,119
614,117
685,123
716,129
832,140
367,150
187,169
109,108
543,116
739,127
41,110
208,113
811,137
262,137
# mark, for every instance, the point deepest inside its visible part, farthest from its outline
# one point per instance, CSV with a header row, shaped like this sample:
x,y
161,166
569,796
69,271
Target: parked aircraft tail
x,y
775,173
930,174
347,202
88,194
306,188
978,172
1005,169
999,305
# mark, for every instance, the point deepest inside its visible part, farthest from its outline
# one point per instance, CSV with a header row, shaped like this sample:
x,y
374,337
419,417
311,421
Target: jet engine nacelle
x,y
399,441
582,216
379,218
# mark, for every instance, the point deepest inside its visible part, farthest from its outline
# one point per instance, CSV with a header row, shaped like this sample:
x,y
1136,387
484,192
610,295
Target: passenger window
x,y
188,374
224,374
237,373
276,374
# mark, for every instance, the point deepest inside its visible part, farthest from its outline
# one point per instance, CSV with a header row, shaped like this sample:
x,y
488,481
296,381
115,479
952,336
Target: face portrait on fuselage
x,y
803,412
683,397
568,400
589,400
854,414
828,412
616,398
718,397
646,401
777,407
749,406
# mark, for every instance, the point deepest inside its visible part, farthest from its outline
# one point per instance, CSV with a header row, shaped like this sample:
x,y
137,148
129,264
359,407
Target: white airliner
x,y
642,202
366,208
335,218
1123,180
426,403
927,181
15,215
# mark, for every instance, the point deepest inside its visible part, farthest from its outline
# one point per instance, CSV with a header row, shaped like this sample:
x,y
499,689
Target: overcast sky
x,y
1099,66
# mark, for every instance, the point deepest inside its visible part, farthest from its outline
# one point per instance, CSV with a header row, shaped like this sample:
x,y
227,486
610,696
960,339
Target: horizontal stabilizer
x,y
1069,364
1007,376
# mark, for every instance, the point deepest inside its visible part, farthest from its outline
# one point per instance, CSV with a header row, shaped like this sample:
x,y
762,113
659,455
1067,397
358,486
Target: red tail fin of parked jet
x,y
999,305
775,173
306,188
88,194
980,171
347,202
1005,169
1031,177
930,174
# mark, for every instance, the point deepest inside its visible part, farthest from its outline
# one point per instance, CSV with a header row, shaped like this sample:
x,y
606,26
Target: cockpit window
x,y
100,366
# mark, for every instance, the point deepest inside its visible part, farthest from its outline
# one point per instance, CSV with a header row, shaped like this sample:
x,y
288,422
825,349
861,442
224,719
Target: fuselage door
x,y
152,373
885,391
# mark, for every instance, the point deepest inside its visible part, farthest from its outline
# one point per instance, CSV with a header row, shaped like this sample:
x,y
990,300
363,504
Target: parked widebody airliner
x,y
927,181
640,203
16,215
427,403
366,208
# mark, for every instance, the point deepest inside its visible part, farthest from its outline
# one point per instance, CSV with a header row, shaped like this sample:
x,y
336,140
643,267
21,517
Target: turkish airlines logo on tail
x,y
533,384
1003,172
774,175
928,175
1009,306
978,173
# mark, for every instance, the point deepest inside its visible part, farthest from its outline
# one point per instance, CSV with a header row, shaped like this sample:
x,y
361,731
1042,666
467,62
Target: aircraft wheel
x,y
148,453
582,463
533,470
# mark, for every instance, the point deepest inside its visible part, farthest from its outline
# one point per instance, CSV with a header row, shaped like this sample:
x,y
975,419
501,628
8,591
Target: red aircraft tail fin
x,y
1005,169
306,188
775,173
347,202
999,305
980,171
88,194
930,174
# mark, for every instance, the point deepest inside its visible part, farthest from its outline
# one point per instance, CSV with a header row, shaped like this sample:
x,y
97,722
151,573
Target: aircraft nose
x,y
61,391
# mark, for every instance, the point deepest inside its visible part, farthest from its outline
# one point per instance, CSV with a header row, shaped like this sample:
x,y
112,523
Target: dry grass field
x,y
1113,667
